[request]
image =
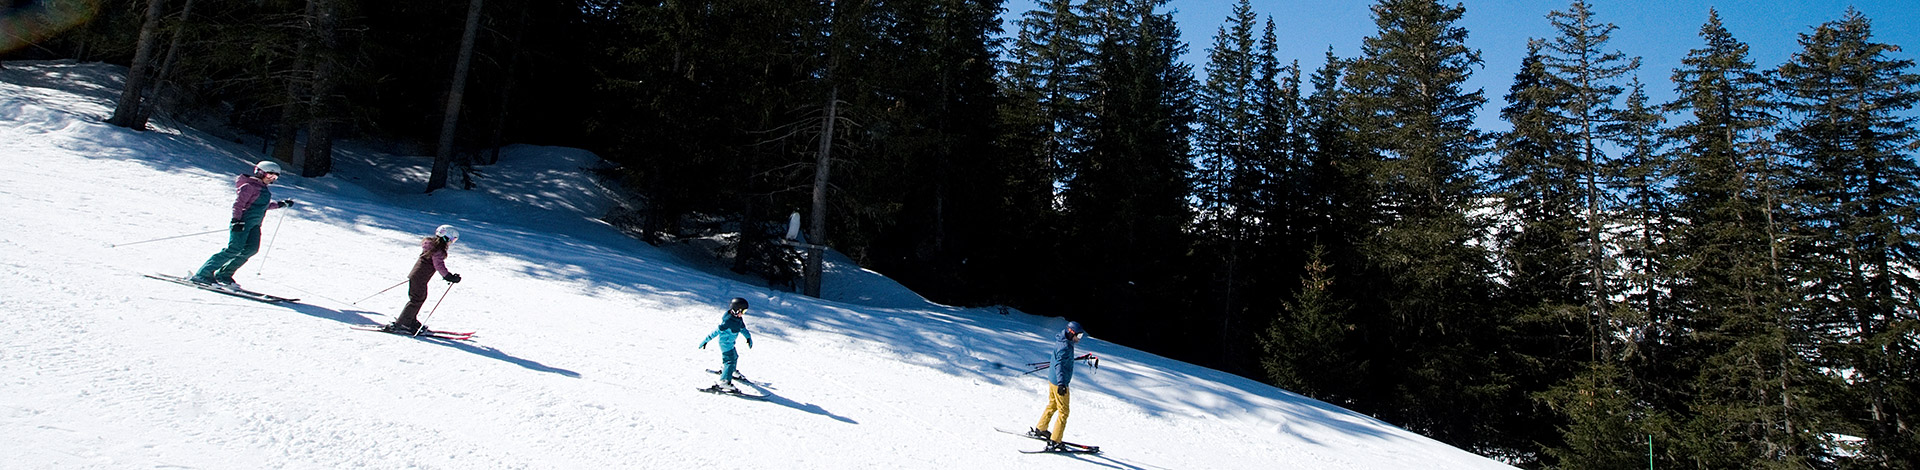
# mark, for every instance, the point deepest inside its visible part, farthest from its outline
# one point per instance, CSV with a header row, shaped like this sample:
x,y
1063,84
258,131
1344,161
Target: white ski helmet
x,y
266,166
447,232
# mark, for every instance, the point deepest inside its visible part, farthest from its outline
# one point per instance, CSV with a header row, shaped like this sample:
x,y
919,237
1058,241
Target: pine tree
x,y
1608,424
1562,183
1234,167
1536,180
1849,128
1280,203
1751,404
1652,358
1126,196
1044,87
1579,59
1304,347
1226,138
1433,346
1643,174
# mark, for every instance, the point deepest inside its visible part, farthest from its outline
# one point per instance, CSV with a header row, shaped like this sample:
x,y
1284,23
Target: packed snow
x,y
586,349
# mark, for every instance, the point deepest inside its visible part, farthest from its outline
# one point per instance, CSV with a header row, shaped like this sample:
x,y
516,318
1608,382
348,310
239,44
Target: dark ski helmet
x,y
737,304
1074,329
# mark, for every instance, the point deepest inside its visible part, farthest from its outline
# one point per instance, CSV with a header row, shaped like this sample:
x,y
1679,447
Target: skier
x,y
249,210
433,257
732,324
1062,374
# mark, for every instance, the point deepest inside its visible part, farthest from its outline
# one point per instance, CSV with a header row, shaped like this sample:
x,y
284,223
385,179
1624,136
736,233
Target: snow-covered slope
x,y
586,354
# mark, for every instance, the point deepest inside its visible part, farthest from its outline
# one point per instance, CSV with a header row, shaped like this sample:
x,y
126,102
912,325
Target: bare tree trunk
x,y
506,91
160,80
8,43
319,151
286,141
443,155
818,225
127,112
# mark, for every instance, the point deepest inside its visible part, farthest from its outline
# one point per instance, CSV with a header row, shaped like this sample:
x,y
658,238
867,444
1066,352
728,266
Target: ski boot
x,y
1038,433
403,329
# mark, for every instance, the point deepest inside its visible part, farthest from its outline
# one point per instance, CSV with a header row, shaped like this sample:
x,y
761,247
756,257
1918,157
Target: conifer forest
x,y
1726,280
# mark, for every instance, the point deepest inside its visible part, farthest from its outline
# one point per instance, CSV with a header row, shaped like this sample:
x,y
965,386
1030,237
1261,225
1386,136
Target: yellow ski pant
x,y
1056,401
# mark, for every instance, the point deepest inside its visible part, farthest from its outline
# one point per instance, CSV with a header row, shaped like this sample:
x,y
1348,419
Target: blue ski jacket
x,y
1062,362
730,328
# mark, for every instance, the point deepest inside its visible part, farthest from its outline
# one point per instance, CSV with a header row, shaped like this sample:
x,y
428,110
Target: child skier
x,y
433,257
731,324
249,210
1062,374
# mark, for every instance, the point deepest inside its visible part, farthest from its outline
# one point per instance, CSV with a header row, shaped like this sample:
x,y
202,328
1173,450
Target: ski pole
x,y
436,307
276,236
382,291
117,245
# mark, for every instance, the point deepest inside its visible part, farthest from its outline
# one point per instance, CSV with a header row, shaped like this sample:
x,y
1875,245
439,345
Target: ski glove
x,y
703,345
238,225
1062,389
286,203
453,278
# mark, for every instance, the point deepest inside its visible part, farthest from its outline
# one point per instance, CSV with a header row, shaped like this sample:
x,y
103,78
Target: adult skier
x,y
250,207
433,258
732,324
1061,374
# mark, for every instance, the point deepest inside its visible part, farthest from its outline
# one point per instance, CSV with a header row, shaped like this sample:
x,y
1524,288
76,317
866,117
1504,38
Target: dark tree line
x,y
1726,280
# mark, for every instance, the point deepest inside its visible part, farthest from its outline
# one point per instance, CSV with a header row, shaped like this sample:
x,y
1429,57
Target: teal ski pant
x,y
729,359
241,244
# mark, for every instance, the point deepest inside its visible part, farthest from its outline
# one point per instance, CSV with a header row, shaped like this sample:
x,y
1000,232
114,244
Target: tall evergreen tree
x,y
1561,181
1578,57
1240,139
1279,203
925,106
1850,130
702,102
1305,346
1540,241
1433,347
1310,345
1750,395
1226,134
1537,179
1044,87
1126,196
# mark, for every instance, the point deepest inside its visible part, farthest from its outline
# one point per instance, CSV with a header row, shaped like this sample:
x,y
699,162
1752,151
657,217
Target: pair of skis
x,y
225,289
715,388
423,333
1069,447
274,299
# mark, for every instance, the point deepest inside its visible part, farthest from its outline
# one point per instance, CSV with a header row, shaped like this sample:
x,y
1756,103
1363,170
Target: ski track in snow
x,y
585,355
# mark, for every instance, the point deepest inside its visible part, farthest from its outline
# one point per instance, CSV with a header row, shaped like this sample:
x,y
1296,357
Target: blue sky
x,y
1660,32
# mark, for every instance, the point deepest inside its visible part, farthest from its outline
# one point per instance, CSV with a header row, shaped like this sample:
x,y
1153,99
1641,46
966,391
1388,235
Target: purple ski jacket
x,y
430,256
249,189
